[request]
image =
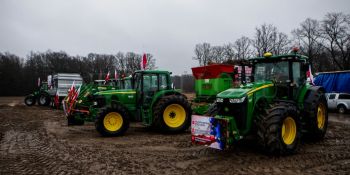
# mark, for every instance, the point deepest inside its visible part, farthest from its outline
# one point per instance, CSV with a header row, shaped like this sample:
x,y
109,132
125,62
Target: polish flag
x,y
107,77
115,74
309,75
57,99
71,91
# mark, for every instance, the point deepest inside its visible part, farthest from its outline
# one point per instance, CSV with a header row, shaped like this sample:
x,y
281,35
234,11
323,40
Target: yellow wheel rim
x,y
174,115
321,116
113,121
289,130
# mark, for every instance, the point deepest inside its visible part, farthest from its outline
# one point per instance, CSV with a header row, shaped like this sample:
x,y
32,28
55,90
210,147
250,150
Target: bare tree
x,y
336,32
216,54
309,37
243,48
202,53
268,39
228,51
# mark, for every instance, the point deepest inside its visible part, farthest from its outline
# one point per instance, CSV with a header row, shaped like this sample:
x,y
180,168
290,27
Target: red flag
x,y
144,61
115,74
107,78
57,99
39,82
71,91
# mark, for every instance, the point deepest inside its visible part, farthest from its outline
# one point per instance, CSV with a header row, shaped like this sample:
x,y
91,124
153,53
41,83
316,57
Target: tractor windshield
x,y
274,71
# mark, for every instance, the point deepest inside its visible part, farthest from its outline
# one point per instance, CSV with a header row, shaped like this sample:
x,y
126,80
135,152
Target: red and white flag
x,y
144,62
39,82
115,74
309,75
71,91
107,77
57,99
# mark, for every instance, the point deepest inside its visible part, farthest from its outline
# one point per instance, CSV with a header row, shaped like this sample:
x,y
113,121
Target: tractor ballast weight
x,y
277,108
152,101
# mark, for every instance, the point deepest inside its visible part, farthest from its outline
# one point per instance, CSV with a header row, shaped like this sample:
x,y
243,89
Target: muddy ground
x,y
37,140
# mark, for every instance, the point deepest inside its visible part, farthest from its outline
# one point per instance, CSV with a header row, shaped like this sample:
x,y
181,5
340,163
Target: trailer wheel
x,y
44,99
279,131
112,122
29,100
172,114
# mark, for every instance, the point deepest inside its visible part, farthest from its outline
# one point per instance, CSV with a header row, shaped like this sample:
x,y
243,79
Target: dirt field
x,y
36,140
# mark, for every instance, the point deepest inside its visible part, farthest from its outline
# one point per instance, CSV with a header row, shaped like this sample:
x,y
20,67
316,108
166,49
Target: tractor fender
x,y
312,90
161,94
115,103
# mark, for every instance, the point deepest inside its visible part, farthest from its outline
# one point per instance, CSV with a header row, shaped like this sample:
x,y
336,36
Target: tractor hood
x,y
112,92
243,90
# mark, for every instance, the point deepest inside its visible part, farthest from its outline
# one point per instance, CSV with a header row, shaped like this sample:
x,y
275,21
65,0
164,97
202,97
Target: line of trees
x,y
18,76
326,42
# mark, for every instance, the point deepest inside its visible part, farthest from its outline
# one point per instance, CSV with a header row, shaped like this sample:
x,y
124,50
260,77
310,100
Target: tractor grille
x,y
236,110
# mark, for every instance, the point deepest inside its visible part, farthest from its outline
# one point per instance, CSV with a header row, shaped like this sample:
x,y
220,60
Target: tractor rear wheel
x,y
29,100
316,116
112,122
172,114
44,100
279,130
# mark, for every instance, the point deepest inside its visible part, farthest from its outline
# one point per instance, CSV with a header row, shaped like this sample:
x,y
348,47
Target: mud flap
x,y
210,131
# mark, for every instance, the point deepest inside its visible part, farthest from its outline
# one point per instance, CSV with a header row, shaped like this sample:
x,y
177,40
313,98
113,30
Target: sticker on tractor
x,y
209,131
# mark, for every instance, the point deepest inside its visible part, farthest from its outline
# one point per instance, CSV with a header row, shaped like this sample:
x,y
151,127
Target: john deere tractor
x,y
152,101
278,107
41,95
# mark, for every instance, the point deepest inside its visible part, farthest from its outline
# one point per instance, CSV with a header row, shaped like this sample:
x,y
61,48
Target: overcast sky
x,y
167,29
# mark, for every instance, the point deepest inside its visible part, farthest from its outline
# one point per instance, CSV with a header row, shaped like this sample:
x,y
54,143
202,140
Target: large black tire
x,y
172,114
112,122
29,100
44,99
279,129
315,121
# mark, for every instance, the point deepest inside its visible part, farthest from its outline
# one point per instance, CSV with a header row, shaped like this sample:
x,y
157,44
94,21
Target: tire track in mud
x,y
36,140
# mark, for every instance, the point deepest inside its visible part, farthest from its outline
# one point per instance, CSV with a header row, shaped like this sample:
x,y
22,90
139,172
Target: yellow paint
x,y
113,121
174,115
262,87
289,130
321,116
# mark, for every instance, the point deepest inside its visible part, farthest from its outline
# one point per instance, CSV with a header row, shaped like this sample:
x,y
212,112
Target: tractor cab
x,y
147,84
286,72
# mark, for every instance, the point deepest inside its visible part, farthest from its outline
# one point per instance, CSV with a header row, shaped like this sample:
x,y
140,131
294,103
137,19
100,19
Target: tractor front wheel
x,y
172,114
316,116
29,100
279,130
112,122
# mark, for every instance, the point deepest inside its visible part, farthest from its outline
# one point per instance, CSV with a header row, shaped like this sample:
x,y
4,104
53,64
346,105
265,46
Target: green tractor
x,y
277,108
152,101
41,95
80,110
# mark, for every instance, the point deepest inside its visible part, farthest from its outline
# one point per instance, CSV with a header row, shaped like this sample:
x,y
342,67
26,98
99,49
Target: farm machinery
x,y
41,95
276,108
152,101
80,109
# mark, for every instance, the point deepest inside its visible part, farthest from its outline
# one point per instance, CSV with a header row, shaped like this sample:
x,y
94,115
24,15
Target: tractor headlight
x,y
237,100
219,100
95,103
